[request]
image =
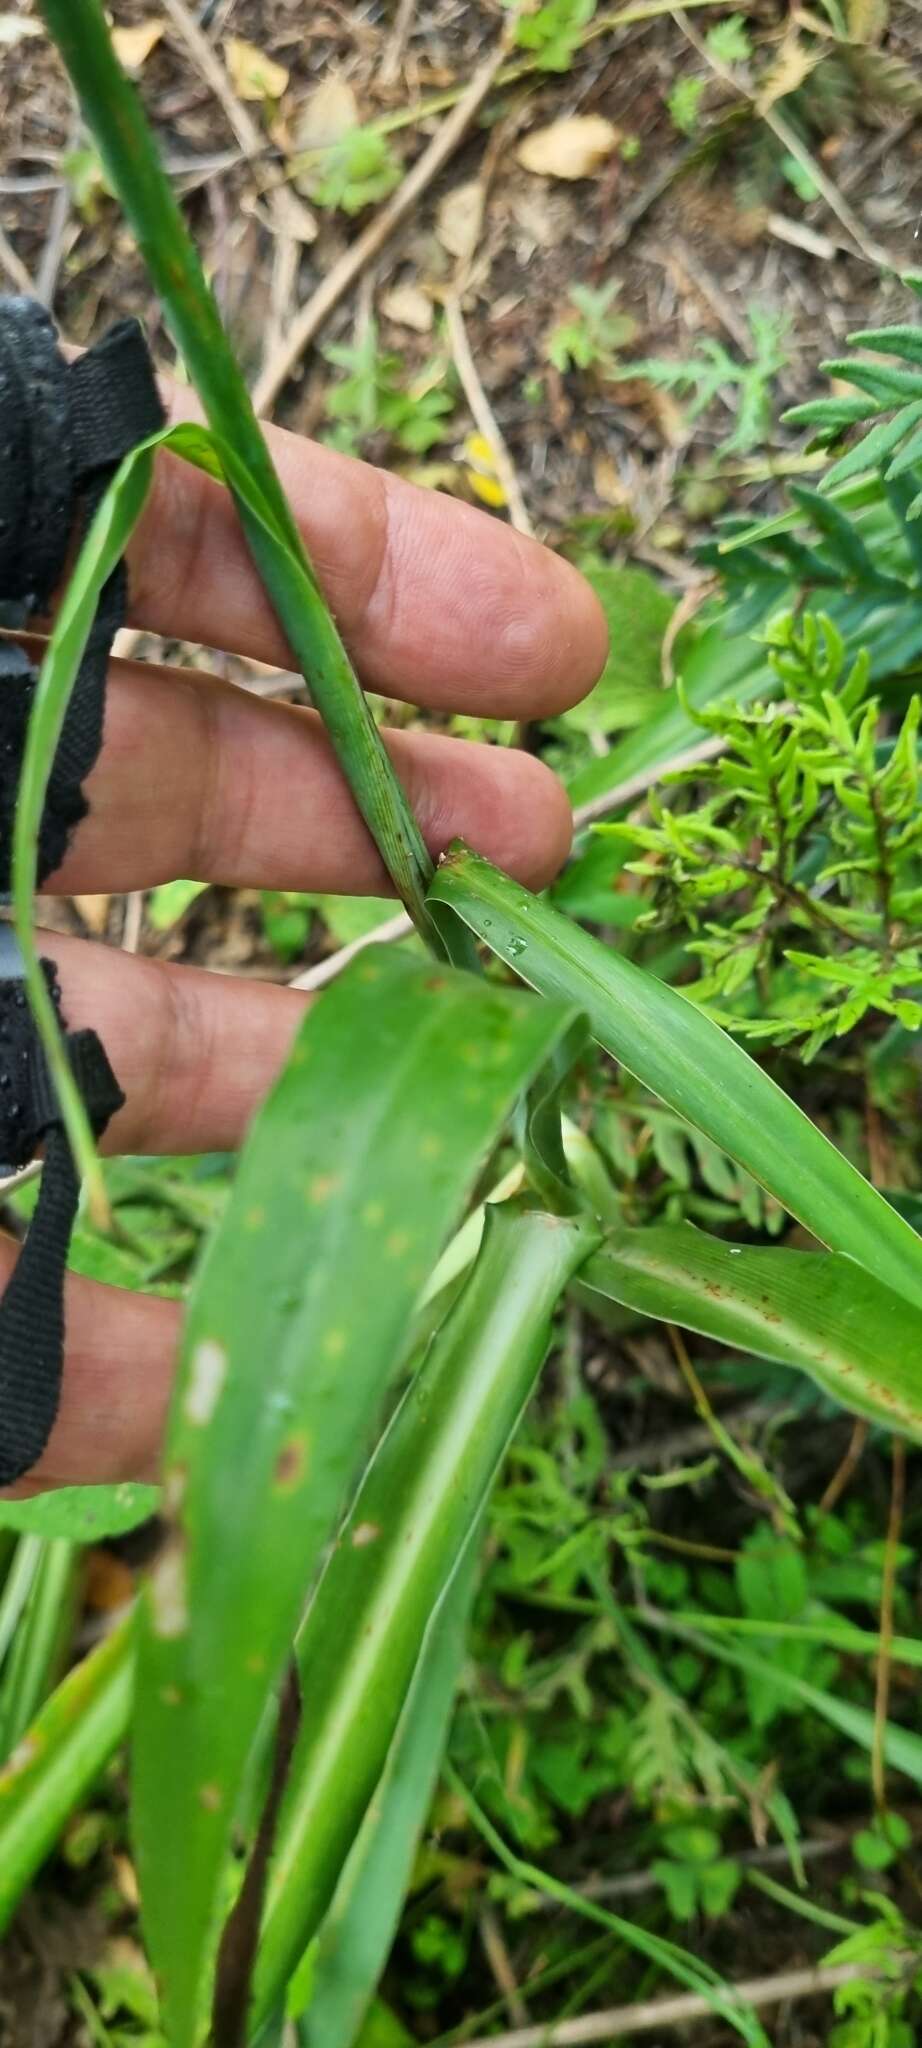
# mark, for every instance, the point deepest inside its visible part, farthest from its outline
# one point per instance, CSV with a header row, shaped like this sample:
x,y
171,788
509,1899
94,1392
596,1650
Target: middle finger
x,y
201,778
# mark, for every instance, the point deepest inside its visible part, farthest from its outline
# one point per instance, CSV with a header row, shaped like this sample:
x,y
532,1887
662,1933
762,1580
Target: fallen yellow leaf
x,y
133,46
253,75
572,148
481,471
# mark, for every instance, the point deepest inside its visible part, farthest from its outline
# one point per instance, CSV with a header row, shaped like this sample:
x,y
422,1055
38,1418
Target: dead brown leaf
x,y
572,148
792,64
409,306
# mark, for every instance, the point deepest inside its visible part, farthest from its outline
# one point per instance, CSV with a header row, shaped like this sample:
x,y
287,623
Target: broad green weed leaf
x,y
690,1063
815,1310
82,1514
401,1079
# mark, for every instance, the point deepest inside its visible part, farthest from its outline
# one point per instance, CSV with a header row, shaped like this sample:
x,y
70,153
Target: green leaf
x,y
59,1760
690,1063
82,1514
717,669
400,1080
815,1310
362,1921
874,449
902,1747
421,1497
630,687
899,340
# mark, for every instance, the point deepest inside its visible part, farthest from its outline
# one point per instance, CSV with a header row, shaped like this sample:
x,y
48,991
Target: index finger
x,y
438,603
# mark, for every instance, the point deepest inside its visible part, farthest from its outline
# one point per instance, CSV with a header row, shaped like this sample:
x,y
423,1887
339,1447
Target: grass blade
x,y
362,1921
400,1081
814,1310
902,1747
116,119
59,1760
690,1063
414,1513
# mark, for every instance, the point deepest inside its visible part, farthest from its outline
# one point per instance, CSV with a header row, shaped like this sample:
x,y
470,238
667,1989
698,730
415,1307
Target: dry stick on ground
x,y
288,215
306,324
14,266
500,1963
790,141
389,67
846,1467
647,2018
483,415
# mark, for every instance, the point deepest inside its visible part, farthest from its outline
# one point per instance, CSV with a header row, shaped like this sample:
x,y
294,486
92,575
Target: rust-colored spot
x,y
210,1797
291,1464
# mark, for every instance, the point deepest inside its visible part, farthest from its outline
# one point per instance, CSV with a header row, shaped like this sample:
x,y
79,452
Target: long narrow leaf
x,y
418,1503
401,1079
59,1760
360,1926
815,1310
690,1063
116,119
902,1747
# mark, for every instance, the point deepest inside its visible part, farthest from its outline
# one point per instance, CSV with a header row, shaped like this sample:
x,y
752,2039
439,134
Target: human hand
x,y
439,606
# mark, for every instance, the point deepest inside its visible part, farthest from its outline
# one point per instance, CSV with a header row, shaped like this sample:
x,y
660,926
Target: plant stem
x,y
116,119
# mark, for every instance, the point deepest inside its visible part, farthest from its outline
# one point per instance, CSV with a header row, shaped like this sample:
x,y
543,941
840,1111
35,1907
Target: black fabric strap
x,y
32,1307
64,428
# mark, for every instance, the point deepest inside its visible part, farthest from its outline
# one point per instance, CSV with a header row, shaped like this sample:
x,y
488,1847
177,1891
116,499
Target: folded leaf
x,y
815,1310
690,1063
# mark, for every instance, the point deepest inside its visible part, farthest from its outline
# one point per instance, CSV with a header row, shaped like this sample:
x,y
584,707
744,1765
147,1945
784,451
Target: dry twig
x,y
483,415
12,263
791,142
655,2013
307,323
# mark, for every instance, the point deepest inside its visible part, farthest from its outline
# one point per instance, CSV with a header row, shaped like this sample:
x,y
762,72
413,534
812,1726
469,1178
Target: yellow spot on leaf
x,y
365,1533
334,1343
323,1186
398,1244
254,1219
171,1695
431,1146
373,1214
210,1797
